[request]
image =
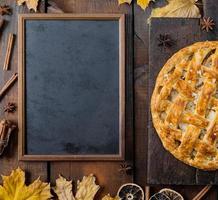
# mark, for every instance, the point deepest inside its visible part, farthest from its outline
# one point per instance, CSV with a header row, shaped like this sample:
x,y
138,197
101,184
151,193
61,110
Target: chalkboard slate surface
x,y
72,91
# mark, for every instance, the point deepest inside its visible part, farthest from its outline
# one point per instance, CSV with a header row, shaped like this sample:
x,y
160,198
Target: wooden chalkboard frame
x,y
21,85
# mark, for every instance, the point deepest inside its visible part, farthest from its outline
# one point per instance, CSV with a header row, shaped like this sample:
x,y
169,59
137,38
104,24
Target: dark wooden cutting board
x,y
162,167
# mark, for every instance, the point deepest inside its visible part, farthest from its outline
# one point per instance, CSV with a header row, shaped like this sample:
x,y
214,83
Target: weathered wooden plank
x,y
8,160
107,173
163,168
141,44
141,102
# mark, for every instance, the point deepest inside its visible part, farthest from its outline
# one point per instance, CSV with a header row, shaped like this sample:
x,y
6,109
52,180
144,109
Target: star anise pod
x,y
165,40
10,108
207,24
125,168
5,10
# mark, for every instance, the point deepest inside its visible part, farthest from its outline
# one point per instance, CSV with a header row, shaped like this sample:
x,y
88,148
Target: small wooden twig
x,y
147,192
8,84
8,51
202,192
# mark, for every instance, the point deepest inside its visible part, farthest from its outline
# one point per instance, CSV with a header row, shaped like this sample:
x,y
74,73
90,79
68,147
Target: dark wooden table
x,y
107,173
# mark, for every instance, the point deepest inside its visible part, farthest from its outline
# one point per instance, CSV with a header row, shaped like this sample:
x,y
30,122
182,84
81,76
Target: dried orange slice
x,y
159,196
130,191
172,194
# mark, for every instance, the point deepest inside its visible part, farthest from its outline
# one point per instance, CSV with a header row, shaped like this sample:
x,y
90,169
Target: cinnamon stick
x,y
202,192
8,51
6,127
8,84
4,130
147,192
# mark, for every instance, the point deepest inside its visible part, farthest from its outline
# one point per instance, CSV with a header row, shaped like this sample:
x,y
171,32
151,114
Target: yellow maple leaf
x,y
31,4
178,8
87,189
124,1
63,189
142,3
14,188
108,197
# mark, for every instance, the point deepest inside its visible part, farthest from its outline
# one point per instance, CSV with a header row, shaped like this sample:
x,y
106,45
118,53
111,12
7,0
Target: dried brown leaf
x,y
87,188
108,197
31,4
63,189
178,8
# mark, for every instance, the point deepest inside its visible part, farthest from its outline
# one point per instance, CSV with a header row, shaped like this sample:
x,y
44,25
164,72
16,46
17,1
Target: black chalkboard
x,y
72,90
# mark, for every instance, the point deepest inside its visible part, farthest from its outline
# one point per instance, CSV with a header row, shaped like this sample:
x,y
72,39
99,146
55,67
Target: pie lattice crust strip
x,y
184,105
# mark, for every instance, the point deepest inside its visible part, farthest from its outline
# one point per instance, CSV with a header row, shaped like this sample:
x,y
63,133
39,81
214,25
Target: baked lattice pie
x,y
184,105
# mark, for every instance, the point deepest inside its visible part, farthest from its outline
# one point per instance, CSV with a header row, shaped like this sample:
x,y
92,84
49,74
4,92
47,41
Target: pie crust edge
x,y
167,142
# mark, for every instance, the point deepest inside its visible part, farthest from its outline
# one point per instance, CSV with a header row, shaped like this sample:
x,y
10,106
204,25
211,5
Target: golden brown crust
x,y
184,105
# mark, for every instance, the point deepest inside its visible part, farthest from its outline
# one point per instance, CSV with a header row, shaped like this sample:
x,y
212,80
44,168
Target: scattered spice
x,y
165,40
5,10
125,168
6,127
10,107
207,24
